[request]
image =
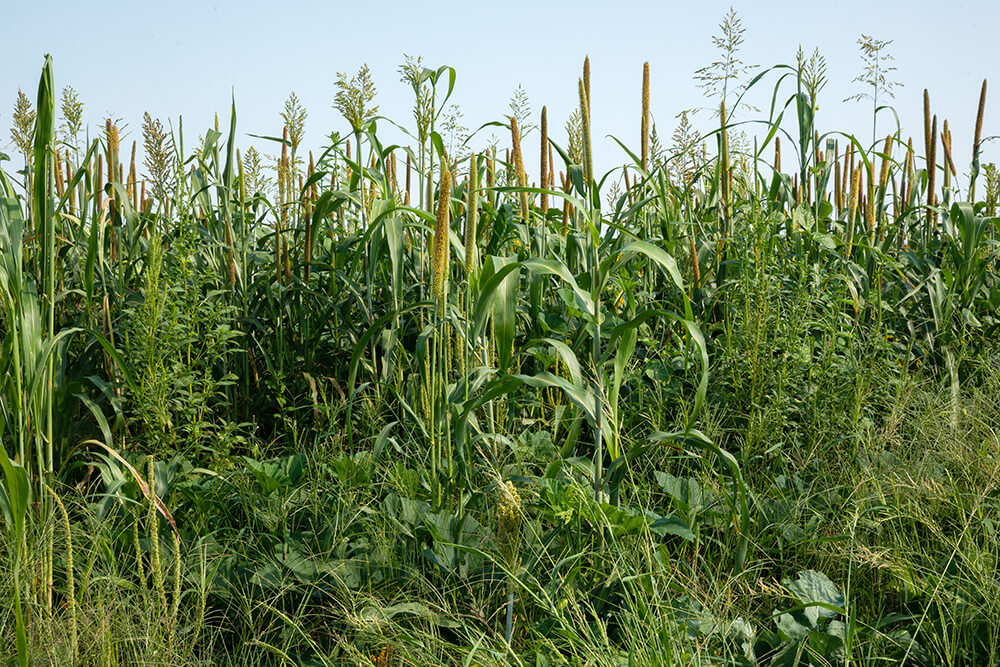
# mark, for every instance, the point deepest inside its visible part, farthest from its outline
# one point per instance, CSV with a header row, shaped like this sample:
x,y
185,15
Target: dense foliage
x,y
404,407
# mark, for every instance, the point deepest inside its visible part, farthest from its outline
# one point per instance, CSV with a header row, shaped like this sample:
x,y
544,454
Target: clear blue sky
x,y
185,58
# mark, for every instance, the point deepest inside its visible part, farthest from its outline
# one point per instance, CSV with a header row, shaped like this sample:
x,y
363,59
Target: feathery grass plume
x,y
588,167
72,112
354,96
413,73
574,136
70,578
777,155
977,136
22,132
544,163
852,207
877,67
992,177
644,132
254,178
655,147
520,108
522,178
440,254
294,116
472,214
586,82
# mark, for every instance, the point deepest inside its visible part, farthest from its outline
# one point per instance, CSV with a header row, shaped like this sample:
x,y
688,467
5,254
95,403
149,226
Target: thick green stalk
x,y
43,223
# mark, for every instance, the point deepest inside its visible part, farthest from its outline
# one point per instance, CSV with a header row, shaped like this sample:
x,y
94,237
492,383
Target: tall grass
x,y
704,412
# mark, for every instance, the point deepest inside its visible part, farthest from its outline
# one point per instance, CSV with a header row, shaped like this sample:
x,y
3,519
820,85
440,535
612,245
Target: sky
x,y
188,57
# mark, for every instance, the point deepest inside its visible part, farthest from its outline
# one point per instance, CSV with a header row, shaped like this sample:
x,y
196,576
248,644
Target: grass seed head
x,y
439,264
645,116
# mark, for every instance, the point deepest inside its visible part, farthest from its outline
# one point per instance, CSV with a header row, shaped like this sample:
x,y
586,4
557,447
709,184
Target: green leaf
x,y
818,594
498,296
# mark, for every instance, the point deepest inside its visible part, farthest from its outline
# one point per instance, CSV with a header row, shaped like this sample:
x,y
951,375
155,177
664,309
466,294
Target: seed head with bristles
x,y
852,206
588,167
509,511
522,178
544,162
645,116
928,136
439,261
111,135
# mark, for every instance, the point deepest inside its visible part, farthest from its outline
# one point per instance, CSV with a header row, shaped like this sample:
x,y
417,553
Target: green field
x,y
735,401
